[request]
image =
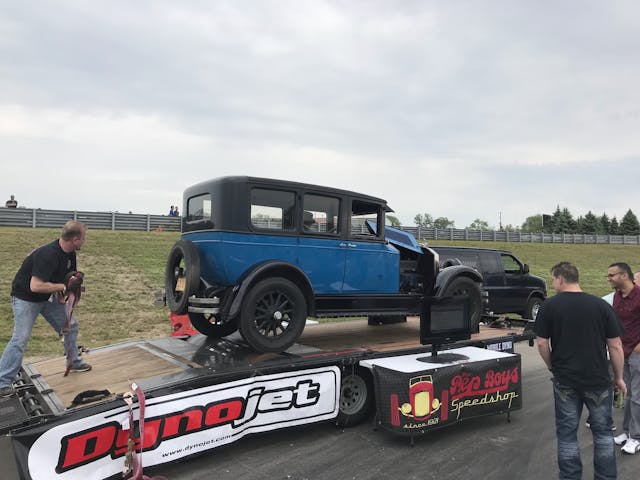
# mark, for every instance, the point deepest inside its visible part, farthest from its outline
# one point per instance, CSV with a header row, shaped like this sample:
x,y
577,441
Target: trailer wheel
x,y
465,287
182,276
533,305
356,398
208,325
273,315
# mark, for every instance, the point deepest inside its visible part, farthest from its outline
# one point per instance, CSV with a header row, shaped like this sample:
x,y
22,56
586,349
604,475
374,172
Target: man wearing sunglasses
x,y
626,303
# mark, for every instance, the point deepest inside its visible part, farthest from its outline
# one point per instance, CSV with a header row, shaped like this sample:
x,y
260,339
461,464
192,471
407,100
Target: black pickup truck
x,y
510,286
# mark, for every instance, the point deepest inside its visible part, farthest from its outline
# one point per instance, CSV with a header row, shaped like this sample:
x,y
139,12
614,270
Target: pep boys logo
x,y
211,417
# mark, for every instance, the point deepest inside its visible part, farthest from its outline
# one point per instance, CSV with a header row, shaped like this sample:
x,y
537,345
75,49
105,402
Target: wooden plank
x,y
358,334
113,369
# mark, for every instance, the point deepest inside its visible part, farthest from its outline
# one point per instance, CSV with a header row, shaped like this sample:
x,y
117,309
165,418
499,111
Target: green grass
x,y
124,269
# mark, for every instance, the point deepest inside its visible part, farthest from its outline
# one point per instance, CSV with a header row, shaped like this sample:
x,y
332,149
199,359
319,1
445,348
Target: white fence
x,y
40,218
36,217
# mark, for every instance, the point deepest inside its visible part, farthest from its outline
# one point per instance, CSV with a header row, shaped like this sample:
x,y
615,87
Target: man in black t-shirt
x,y
36,289
574,331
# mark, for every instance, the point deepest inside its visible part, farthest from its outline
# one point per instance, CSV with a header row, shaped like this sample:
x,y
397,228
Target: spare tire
x,y
182,276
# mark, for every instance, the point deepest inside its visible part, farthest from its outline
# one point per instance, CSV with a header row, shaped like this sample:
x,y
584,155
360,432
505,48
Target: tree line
x,y
561,221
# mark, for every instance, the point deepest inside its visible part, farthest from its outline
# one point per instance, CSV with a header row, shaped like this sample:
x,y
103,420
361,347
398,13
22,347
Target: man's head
x,y
564,277
73,235
619,275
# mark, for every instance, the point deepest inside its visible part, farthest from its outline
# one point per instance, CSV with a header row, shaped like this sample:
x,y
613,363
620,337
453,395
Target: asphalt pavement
x,y
483,448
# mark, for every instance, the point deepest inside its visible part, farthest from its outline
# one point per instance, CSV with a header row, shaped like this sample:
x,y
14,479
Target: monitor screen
x,y
445,320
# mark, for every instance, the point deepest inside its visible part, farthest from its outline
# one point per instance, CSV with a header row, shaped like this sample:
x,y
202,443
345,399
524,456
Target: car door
x,y
322,243
372,266
516,282
494,282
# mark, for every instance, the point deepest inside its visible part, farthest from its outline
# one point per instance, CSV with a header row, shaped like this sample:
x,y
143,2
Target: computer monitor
x,y
445,320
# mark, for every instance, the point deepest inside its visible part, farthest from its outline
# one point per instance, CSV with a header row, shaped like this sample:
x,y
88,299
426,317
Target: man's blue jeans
x,y
24,317
569,403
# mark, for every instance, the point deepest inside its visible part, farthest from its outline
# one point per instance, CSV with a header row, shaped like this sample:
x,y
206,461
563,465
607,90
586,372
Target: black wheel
x,y
465,287
208,325
356,397
273,315
182,276
533,305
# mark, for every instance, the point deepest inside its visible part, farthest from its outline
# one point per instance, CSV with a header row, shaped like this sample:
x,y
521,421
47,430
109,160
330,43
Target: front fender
x,y
271,268
447,275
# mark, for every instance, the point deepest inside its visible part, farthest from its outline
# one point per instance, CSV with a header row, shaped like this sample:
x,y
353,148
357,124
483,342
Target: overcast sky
x,y
461,109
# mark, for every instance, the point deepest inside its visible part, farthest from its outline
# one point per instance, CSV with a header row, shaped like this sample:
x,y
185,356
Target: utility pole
x,y
500,221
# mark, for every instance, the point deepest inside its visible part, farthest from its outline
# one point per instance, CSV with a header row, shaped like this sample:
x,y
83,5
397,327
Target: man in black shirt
x,y
574,331
35,290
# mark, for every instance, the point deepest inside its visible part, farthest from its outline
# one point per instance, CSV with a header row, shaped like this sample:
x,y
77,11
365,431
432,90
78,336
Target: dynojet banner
x,y
413,403
181,424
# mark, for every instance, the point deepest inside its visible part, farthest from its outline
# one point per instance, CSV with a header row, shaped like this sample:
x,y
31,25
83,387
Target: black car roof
x,y
283,183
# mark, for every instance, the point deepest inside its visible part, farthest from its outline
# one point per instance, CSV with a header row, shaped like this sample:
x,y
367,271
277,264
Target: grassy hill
x,y
124,269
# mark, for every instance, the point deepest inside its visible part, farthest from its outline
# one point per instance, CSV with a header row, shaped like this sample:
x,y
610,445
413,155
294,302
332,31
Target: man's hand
x,y
73,281
620,385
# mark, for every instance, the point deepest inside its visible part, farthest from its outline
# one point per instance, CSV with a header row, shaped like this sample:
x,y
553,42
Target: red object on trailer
x,y
181,325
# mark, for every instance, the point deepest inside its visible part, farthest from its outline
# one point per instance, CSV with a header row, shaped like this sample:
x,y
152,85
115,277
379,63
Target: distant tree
x,y
604,223
443,222
423,220
393,221
579,225
533,224
613,226
510,228
629,224
478,224
591,224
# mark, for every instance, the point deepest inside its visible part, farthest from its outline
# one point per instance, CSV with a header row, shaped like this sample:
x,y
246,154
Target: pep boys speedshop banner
x,y
185,423
413,403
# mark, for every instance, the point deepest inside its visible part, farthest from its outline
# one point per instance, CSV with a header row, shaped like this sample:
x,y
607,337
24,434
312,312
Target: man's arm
x,y
37,285
616,356
544,349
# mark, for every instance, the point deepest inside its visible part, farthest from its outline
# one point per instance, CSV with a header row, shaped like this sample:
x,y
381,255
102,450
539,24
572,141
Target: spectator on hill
x,y
38,289
175,212
12,202
171,211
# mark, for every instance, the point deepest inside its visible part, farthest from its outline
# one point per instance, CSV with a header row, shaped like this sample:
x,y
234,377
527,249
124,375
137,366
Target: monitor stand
x,y
446,357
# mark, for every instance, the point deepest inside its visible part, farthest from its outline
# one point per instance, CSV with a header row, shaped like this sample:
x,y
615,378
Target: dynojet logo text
x,y
206,418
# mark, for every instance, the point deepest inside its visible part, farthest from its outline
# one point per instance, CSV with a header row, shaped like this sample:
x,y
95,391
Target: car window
x,y
321,214
362,211
466,257
490,263
198,215
272,209
510,264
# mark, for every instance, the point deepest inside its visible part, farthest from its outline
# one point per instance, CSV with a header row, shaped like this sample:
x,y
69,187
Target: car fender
x,y
272,268
447,275
537,293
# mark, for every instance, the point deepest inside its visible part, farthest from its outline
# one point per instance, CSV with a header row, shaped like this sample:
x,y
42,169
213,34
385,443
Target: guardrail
x,y
39,218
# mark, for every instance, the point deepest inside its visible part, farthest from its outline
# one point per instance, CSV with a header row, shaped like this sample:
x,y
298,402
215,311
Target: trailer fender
x,y
272,268
447,275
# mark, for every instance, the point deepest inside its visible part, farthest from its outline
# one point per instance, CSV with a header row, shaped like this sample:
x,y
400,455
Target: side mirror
x,y
525,268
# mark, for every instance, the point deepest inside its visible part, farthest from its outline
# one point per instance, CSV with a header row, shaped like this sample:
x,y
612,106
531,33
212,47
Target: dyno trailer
x,y
201,393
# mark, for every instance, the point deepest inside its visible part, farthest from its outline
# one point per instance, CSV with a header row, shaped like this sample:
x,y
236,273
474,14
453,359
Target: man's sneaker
x,y
82,367
621,439
631,446
6,392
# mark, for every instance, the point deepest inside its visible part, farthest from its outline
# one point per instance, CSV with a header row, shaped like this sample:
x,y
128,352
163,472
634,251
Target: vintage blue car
x,y
260,255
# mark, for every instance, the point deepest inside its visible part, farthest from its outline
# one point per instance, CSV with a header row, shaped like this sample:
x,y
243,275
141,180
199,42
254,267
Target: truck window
x,y
198,214
491,263
272,209
510,264
362,211
320,214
